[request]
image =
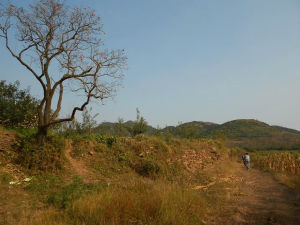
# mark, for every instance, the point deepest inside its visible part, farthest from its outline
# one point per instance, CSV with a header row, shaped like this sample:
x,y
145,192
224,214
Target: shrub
x,y
41,158
147,167
140,126
109,140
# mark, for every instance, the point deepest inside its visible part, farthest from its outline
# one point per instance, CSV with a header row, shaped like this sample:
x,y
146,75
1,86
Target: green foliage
x,y
41,158
190,130
17,107
140,125
109,140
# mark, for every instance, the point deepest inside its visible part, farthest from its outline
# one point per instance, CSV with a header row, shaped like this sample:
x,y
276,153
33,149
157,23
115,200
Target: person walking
x,y
246,160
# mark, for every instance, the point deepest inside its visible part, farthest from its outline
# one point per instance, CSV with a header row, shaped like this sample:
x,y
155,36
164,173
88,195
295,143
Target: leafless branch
x,y
50,30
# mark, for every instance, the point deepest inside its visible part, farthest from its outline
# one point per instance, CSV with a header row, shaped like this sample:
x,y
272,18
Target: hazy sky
x,y
213,60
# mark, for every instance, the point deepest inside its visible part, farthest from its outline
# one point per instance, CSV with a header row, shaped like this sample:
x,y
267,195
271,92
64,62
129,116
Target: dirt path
x,y
79,166
264,201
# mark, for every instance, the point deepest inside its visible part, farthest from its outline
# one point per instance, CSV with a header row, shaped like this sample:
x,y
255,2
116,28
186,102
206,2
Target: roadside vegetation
x,y
126,180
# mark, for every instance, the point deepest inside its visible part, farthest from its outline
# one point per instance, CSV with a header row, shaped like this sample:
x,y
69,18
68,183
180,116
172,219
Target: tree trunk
x,y
42,134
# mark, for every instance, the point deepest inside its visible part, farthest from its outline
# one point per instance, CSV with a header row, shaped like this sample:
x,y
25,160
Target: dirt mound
x,y
195,160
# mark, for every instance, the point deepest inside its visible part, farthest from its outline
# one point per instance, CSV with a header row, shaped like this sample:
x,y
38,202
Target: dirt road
x,y
264,201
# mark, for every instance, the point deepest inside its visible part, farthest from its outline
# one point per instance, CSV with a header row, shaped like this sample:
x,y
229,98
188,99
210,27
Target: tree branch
x,y
58,107
75,109
19,58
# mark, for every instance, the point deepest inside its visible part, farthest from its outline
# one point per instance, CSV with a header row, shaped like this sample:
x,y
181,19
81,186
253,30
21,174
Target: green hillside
x,y
246,133
193,129
124,129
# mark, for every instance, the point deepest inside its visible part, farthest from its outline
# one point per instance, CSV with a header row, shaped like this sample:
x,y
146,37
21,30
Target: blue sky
x,y
213,60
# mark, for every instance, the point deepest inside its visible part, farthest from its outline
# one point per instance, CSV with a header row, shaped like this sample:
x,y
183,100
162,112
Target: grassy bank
x,y
111,180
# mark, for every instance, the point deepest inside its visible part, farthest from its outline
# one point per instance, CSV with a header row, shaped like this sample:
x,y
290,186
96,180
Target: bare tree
x,y
61,47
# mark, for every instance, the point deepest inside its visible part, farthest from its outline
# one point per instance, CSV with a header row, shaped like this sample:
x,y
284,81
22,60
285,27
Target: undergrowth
x,y
37,158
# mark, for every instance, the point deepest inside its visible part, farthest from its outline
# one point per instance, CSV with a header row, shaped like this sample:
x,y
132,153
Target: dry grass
x,y
142,203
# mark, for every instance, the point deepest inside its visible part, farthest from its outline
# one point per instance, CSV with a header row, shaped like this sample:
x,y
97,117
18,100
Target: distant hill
x,y
245,133
193,129
110,128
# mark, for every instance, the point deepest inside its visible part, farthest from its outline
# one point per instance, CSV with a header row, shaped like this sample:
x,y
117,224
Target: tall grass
x,y
137,202
144,203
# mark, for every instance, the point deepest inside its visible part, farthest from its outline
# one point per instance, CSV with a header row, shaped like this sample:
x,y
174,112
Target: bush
x,y
140,126
108,140
147,167
41,158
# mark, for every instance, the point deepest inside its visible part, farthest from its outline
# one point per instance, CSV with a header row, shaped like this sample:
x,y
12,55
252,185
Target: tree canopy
x,y
62,47
17,107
